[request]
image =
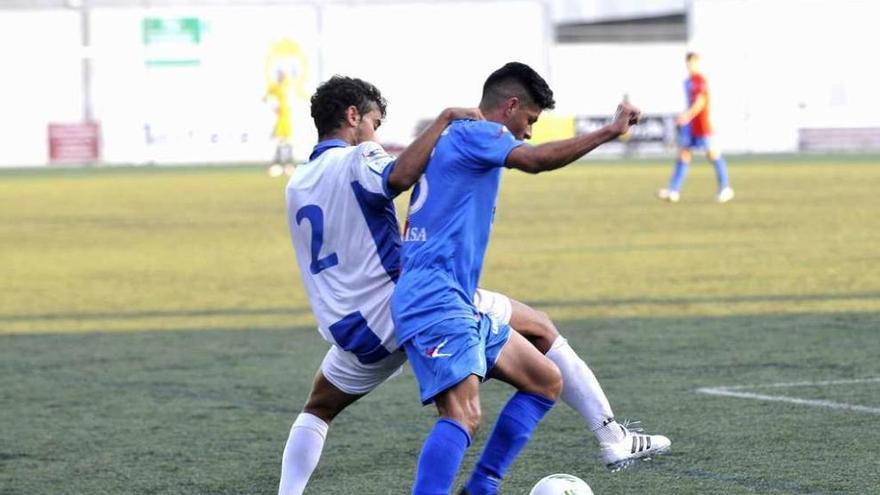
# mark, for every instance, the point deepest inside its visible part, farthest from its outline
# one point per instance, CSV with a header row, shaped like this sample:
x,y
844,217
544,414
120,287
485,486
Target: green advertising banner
x,y
172,41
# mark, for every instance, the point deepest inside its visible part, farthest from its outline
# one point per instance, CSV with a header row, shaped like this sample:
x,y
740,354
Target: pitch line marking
x,y
736,391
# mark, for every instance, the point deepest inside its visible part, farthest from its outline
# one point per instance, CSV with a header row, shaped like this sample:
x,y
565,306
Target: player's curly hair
x,y
334,96
520,80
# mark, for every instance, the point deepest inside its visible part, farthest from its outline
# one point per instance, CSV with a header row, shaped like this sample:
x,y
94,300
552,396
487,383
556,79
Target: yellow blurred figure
x,y
279,91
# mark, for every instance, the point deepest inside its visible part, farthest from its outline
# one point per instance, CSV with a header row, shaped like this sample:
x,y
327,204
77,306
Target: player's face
x,y
368,124
521,119
693,65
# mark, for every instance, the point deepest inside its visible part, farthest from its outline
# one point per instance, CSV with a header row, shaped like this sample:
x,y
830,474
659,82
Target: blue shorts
x,y
448,352
689,141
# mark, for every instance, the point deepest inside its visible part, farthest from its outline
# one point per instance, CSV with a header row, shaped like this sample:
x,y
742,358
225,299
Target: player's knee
x,y
466,413
327,414
552,383
472,421
323,408
548,332
684,155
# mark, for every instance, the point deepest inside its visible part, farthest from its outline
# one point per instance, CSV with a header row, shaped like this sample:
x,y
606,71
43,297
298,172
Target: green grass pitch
x,y
155,337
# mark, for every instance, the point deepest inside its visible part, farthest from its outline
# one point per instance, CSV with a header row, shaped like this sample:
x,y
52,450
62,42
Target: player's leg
x,y
581,390
287,157
308,433
340,381
276,169
725,192
448,360
672,192
538,384
444,449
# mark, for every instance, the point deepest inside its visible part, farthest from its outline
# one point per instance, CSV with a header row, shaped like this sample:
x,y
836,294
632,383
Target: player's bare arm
x,y
412,161
556,154
693,111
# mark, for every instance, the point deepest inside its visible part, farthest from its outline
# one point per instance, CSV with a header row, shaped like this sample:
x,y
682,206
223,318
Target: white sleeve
x,y
370,168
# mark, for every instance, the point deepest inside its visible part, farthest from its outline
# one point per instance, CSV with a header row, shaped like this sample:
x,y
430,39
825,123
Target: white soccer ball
x,y
561,484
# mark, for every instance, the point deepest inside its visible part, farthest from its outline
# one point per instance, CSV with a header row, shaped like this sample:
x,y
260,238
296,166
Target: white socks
x,y
582,392
302,452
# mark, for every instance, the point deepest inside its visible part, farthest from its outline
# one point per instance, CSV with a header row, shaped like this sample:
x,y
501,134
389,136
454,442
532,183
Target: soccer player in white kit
x,y
347,242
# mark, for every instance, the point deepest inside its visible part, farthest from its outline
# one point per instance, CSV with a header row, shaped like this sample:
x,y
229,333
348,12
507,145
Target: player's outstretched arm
x,y
556,154
412,161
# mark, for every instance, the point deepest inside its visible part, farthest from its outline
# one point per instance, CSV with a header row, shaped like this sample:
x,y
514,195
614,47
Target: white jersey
x,y
347,243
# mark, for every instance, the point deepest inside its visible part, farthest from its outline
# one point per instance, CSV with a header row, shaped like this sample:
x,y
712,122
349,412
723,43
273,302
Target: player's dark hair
x,y
520,80
334,96
690,55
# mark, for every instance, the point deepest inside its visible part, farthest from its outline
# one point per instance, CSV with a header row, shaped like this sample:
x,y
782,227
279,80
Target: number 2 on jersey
x,y
316,219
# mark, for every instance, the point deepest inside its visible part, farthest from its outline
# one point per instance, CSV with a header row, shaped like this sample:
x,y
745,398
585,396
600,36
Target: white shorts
x,y
343,370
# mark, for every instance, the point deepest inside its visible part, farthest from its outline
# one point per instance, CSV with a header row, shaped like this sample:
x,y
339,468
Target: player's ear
x,y
352,116
510,105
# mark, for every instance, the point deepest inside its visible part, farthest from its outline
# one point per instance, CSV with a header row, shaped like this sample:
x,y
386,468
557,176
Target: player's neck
x,y
341,134
493,114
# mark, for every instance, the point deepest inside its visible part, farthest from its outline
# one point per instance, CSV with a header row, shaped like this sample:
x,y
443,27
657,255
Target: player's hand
x,y
682,120
456,113
626,115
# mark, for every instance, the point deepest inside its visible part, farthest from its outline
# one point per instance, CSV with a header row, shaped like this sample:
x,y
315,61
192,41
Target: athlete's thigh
x,y
446,353
326,400
343,369
535,325
523,366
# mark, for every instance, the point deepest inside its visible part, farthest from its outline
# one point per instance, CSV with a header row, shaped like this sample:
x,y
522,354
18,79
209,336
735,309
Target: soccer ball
x,y
561,484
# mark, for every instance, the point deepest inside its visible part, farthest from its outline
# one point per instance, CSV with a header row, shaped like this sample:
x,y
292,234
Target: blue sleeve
x,y
488,144
386,187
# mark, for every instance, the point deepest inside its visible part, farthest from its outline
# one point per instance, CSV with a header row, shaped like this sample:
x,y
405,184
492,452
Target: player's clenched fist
x,y
626,115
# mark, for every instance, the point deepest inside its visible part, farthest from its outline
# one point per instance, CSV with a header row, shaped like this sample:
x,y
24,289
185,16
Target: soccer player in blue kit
x,y
451,346
346,238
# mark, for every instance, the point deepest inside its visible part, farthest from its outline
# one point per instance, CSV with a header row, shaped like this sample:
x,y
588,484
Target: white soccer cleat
x,y
669,195
724,195
633,447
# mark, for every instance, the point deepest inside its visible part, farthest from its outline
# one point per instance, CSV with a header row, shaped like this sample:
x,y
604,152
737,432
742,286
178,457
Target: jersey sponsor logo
x,y
415,234
419,195
434,352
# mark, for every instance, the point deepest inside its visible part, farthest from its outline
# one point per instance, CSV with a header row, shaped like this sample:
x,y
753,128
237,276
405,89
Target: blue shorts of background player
x,y
448,352
686,140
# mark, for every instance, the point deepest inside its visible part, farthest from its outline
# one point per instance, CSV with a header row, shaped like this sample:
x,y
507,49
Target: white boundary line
x,y
734,391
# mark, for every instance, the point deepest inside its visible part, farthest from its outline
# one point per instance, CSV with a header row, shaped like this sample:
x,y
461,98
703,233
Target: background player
x,y
278,91
695,132
447,232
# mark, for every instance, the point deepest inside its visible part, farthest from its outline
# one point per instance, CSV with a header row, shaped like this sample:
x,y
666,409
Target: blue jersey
x,y
447,231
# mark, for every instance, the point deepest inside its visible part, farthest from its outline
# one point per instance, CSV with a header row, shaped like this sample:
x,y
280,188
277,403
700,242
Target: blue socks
x,y
681,168
440,458
512,431
721,172
678,175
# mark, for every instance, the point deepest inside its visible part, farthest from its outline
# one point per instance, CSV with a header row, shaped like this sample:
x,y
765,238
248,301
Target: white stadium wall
x,y
40,83
197,96
193,92
777,66
425,57
774,67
